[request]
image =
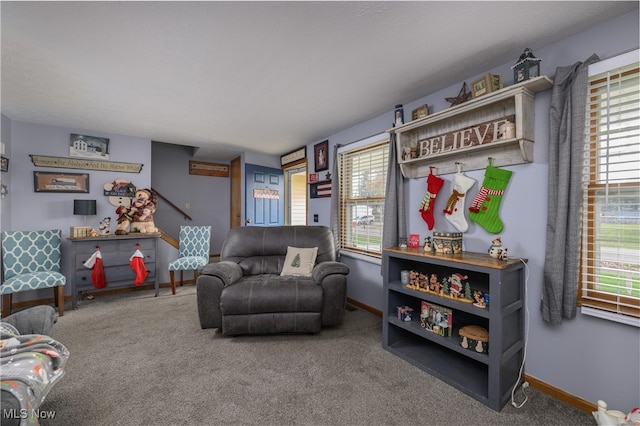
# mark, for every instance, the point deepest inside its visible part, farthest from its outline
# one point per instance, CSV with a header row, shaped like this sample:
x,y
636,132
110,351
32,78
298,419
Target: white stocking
x,y
454,212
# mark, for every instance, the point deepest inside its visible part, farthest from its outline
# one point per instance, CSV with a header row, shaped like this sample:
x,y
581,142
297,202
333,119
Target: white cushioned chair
x,y
194,252
31,261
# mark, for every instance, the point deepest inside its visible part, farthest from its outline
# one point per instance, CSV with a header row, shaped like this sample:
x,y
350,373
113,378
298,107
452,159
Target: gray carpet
x,y
140,360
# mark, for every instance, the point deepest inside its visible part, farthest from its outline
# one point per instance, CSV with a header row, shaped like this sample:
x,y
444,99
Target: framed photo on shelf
x,y
60,182
420,112
4,164
321,155
486,84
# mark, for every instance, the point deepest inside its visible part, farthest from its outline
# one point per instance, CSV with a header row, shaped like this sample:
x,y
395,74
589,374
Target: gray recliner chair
x,y
245,292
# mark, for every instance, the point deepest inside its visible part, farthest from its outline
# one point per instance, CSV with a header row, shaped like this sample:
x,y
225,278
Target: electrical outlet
x,y
187,206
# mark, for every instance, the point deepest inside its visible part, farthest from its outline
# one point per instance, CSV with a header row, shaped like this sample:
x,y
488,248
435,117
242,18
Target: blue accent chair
x,y
194,252
31,261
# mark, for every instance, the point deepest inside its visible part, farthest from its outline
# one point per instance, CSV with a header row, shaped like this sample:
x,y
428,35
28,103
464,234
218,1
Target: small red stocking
x,y
97,273
434,184
137,264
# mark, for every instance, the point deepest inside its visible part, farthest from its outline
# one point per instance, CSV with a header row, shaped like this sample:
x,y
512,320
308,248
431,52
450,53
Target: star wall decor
x,y
463,96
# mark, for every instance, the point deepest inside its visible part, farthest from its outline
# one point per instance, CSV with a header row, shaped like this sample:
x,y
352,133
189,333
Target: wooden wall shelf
x,y
451,135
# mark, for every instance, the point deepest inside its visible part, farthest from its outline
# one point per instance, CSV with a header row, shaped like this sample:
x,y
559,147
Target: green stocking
x,y
485,206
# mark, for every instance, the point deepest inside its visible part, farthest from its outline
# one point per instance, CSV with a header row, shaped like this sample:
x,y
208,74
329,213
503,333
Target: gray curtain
x,y
564,199
395,221
334,223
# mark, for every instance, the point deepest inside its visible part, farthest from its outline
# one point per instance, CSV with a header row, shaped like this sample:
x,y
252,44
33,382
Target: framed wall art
x,y
91,147
321,155
4,164
294,157
60,182
486,84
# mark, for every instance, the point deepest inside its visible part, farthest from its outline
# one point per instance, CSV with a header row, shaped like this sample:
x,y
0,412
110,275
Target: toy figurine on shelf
x,y
503,255
496,249
427,245
434,284
422,280
478,298
413,280
458,288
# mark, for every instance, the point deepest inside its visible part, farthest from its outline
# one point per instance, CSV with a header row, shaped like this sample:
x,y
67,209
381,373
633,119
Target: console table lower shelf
x,y
116,252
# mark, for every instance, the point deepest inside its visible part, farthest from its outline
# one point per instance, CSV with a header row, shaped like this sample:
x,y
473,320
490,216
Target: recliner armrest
x,y
322,270
228,272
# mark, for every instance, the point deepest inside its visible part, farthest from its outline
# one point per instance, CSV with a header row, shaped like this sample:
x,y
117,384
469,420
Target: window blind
x,y
363,176
610,252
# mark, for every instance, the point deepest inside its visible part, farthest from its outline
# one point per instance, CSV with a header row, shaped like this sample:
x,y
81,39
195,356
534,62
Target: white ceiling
x,y
263,76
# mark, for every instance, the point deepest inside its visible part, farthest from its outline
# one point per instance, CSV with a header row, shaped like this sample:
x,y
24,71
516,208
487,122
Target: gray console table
x,y
489,378
116,251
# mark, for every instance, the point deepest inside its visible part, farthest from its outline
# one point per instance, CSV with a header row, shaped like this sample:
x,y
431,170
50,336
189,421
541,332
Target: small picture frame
x,y
486,84
481,86
85,146
4,164
420,112
60,182
321,155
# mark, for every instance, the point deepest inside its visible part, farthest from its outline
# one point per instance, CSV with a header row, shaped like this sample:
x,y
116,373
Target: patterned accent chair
x,y
31,261
194,252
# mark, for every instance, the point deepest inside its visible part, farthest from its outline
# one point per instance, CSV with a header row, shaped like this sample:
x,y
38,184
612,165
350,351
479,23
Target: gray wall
x,y
207,196
578,356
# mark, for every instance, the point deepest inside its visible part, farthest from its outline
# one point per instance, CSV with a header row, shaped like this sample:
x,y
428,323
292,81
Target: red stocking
x,y
137,264
97,270
97,275
434,183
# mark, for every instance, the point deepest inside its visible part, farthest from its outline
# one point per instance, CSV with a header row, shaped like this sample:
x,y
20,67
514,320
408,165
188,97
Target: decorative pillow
x,y
299,261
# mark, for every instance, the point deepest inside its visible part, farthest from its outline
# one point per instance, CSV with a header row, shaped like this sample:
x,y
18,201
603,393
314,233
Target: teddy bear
x,y
141,211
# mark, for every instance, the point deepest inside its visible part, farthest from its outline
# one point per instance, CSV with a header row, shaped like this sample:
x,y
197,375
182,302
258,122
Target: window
x,y
610,254
363,176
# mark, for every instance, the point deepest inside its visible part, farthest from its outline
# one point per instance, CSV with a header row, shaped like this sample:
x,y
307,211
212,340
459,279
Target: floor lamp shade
x,y
84,207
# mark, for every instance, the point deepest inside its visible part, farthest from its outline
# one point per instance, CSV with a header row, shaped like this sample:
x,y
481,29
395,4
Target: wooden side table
x,y
116,252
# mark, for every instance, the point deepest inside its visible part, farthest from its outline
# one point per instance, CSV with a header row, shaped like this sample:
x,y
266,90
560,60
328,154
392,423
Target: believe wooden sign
x,y
480,134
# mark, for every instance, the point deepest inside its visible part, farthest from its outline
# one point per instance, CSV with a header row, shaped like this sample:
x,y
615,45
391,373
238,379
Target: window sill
x,y
360,256
598,313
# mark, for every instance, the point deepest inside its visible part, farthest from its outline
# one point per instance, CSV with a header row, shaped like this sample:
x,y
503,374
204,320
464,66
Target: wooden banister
x,y
186,216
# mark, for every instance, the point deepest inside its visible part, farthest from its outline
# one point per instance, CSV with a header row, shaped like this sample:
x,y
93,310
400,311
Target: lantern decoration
x,y
528,66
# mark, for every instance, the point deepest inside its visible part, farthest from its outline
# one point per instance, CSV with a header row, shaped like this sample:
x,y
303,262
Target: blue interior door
x,y
264,196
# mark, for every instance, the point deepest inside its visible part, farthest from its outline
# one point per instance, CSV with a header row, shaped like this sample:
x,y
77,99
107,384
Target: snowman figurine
x,y
496,248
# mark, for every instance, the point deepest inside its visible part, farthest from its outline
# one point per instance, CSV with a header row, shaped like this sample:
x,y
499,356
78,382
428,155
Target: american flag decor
x,y
320,189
